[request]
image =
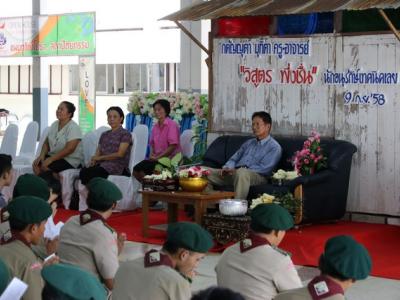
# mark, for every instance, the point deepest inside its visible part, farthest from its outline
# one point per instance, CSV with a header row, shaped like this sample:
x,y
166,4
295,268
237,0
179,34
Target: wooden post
x,y
389,23
192,37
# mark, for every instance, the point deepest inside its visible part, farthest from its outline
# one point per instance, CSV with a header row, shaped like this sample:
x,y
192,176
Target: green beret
x,y
189,236
4,276
103,191
73,282
29,209
346,257
31,185
270,216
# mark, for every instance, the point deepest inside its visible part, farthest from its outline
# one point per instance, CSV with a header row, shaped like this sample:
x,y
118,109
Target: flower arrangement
x,y
311,158
288,201
194,172
181,104
285,175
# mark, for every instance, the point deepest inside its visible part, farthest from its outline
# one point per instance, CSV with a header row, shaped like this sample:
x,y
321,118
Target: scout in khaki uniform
x,y
70,282
27,217
4,276
87,240
343,262
32,185
165,274
255,267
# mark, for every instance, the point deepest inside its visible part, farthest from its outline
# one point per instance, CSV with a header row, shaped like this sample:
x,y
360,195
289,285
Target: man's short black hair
x,y
164,104
171,248
92,203
5,163
266,117
217,293
50,293
329,271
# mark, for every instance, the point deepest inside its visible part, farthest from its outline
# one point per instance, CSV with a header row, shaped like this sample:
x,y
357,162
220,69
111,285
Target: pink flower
x,y
306,161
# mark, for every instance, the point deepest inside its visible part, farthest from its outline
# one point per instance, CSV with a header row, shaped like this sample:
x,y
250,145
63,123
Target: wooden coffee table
x,y
173,199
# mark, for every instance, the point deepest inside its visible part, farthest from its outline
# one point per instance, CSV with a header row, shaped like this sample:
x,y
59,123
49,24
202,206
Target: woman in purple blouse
x,y
113,152
164,140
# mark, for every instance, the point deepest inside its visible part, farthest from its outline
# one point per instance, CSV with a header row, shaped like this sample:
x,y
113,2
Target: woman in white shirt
x,y
62,149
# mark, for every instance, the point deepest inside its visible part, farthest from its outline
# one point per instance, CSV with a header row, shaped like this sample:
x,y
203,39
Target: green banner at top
x,y
54,35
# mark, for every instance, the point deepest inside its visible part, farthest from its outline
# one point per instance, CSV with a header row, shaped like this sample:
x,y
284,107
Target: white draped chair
x,y
67,177
10,138
28,146
22,127
186,141
129,186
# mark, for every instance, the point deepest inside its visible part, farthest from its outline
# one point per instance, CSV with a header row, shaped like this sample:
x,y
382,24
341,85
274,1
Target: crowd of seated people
x,y
83,261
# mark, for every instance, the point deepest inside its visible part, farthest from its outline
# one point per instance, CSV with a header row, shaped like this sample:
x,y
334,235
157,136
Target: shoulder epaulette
x,y
283,252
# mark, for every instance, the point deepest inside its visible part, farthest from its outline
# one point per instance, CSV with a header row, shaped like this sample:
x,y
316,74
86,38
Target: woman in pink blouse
x,y
164,140
113,152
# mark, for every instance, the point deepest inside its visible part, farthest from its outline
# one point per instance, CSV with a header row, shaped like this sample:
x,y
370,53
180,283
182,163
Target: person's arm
x,y
231,163
43,152
109,283
167,152
67,150
268,162
286,276
123,147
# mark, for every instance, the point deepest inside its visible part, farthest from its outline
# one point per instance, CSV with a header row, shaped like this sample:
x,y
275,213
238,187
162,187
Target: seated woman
x,y
62,149
164,140
113,152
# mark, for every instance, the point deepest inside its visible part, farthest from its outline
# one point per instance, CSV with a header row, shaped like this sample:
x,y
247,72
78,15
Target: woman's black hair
x,y
70,107
118,110
217,293
164,104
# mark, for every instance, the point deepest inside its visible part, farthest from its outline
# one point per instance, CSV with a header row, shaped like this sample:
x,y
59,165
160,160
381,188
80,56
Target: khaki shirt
x,y
92,246
303,294
135,282
24,265
259,273
58,139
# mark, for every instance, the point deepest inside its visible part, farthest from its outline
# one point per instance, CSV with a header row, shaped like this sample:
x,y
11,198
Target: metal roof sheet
x,y
214,9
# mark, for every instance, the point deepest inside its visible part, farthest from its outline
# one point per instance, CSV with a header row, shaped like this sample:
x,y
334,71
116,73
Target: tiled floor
x,y
373,288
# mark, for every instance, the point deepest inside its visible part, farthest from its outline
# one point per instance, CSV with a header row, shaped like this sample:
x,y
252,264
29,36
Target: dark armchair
x,y
324,193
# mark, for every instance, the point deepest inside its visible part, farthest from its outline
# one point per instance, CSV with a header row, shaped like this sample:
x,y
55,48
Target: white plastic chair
x,y
28,146
67,177
186,142
10,138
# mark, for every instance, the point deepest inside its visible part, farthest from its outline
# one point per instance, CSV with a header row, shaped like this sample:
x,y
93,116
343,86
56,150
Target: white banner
x,y
87,93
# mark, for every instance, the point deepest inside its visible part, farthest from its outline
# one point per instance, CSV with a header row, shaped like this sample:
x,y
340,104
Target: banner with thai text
x,y
87,93
54,35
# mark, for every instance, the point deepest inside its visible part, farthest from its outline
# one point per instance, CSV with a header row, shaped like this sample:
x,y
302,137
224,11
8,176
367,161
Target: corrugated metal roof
x,y
214,9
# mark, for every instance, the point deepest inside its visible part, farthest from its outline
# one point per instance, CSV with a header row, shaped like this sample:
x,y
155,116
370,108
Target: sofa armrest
x,y
307,180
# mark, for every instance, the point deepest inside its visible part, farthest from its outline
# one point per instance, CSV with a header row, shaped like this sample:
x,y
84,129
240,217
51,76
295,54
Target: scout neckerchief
x,y
252,241
322,287
15,235
89,216
154,258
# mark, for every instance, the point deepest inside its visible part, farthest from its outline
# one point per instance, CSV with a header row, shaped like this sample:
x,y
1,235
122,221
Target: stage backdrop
x,y
344,87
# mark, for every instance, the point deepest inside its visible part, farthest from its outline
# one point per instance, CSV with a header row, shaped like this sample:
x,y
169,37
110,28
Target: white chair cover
x,y
9,144
28,147
67,177
129,186
187,143
43,137
22,127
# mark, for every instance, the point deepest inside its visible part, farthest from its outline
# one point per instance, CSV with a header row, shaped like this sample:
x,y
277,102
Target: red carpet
x,y
305,244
